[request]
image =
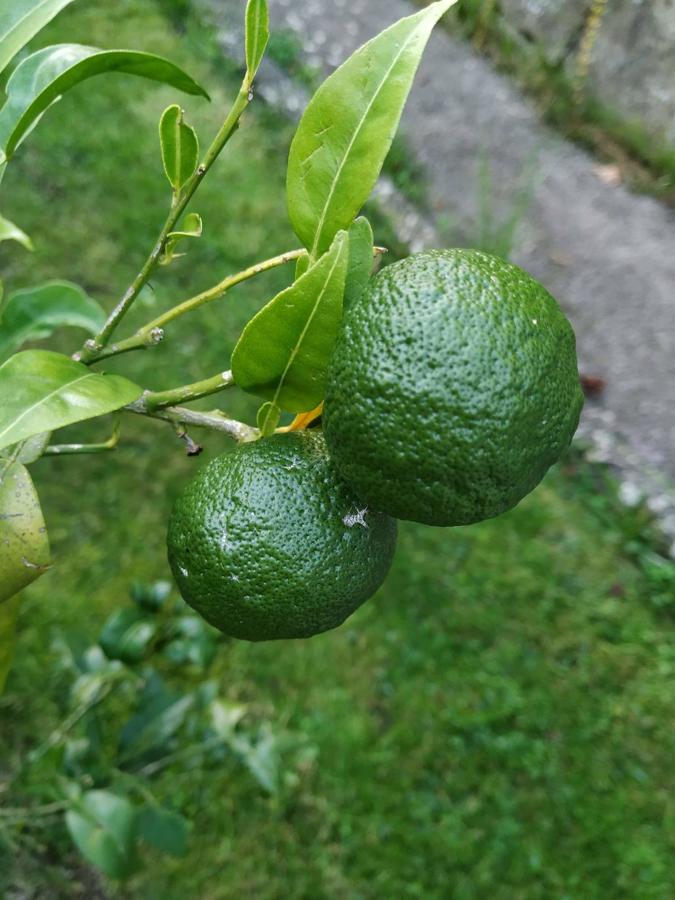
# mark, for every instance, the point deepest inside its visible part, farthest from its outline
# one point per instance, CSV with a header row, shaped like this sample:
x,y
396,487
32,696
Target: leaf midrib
x,y
357,131
296,349
29,409
255,37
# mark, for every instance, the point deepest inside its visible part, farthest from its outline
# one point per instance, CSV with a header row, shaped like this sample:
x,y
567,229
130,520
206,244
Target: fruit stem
x,y
302,420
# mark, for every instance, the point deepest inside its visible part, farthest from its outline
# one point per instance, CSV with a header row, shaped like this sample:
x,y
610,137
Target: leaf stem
x,y
154,400
92,347
215,420
73,449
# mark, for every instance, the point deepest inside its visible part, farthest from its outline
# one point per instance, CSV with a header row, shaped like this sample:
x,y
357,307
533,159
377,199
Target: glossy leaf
x,y
164,830
257,35
346,131
31,449
24,546
282,354
128,635
301,265
103,828
268,418
154,727
47,74
151,597
33,314
180,147
360,260
21,20
43,391
9,613
11,232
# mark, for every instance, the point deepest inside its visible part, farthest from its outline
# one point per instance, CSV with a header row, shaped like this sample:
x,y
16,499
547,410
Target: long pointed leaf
x,y
346,131
360,260
42,391
21,20
46,75
11,232
257,35
23,536
284,350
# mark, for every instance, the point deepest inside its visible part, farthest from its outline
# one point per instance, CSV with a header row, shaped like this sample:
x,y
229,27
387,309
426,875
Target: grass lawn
x,y
495,723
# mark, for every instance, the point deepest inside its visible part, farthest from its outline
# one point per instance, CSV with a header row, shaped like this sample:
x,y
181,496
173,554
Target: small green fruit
x,y
268,542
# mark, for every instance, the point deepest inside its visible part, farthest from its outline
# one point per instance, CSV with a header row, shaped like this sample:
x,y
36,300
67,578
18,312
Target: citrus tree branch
x,y
154,400
219,289
153,332
227,129
215,420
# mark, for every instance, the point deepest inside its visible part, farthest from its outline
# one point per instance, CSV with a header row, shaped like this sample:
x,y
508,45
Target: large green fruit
x,y
268,541
453,387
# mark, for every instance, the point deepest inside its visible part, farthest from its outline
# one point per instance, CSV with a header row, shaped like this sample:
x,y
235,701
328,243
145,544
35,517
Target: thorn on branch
x,y
192,448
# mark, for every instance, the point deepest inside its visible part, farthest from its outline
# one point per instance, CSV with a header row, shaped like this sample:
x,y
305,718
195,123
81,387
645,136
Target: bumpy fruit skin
x,y
452,389
268,542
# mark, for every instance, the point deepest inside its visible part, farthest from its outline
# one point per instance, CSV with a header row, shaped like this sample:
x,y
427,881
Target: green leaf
x,y
268,418
20,20
180,147
128,635
31,449
257,36
43,391
47,74
283,352
301,265
346,131
9,613
360,260
102,826
151,597
11,232
24,545
164,830
151,729
191,228
34,313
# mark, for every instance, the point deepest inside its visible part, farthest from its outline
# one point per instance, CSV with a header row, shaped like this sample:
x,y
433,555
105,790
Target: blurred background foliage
x,y
496,722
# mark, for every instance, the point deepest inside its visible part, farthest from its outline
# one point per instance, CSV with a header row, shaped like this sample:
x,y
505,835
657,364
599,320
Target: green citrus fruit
x,y
452,389
268,542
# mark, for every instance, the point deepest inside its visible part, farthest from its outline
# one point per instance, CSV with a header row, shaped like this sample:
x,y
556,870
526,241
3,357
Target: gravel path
x,y
608,255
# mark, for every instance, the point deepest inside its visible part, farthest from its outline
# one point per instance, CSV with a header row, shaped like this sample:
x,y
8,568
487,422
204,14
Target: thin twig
x,y
153,332
154,400
92,347
215,420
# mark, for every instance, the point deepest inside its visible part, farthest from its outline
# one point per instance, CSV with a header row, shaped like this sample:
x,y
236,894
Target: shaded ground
x,y
607,254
